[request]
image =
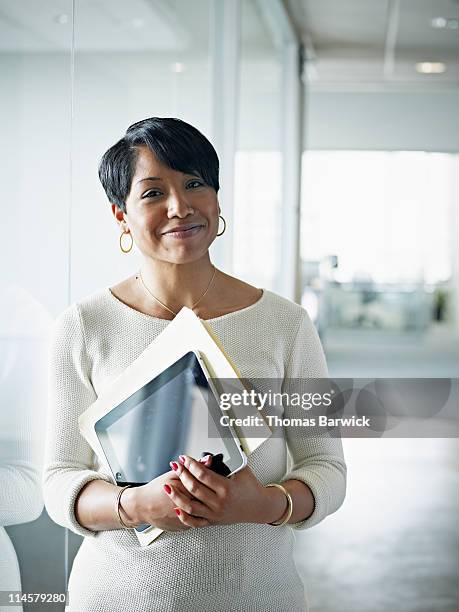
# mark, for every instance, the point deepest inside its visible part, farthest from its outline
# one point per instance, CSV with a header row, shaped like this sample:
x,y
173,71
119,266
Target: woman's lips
x,y
184,233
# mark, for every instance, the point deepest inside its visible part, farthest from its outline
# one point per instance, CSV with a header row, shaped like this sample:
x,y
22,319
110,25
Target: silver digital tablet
x,y
175,413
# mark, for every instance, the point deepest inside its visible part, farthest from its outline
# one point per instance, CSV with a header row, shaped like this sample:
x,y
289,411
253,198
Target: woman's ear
x,y
118,214
120,219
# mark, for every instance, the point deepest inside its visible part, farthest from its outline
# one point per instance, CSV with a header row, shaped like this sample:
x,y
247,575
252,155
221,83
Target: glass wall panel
x,y
258,168
35,42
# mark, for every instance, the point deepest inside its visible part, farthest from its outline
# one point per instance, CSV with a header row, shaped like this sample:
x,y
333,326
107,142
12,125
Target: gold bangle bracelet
x,y
288,513
118,508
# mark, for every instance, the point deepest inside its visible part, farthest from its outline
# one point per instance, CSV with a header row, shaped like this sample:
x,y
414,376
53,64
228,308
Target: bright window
x,y
386,215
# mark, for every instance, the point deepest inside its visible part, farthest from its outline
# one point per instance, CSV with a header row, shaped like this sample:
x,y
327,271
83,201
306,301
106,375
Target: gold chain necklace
x,y
167,307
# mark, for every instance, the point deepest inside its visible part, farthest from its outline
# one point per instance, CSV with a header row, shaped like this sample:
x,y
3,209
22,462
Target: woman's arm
x,y
96,505
69,460
302,498
316,478
76,495
316,457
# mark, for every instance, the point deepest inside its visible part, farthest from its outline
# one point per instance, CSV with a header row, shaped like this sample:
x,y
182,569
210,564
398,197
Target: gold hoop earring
x,y
121,242
224,225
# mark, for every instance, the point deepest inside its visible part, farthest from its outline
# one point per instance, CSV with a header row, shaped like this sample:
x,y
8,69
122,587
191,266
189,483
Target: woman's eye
x,y
151,193
194,184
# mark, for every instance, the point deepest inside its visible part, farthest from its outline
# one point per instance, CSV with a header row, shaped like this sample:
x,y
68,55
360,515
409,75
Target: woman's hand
x,y
150,504
217,500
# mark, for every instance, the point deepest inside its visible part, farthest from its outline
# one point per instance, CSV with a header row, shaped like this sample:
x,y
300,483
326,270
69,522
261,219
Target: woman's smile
x,y
178,234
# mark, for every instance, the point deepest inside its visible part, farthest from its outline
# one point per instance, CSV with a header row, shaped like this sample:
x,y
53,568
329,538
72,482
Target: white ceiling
x,y
102,25
376,43
352,43
121,25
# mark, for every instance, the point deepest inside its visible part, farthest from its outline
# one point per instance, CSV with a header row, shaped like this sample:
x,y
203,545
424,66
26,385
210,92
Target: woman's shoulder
x,y
267,312
246,295
282,304
284,318
281,311
95,299
99,298
92,306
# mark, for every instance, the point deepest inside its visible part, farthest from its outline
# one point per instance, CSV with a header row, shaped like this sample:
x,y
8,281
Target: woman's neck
x,y
177,285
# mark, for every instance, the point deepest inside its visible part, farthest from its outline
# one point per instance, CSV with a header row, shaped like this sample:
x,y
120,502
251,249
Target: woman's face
x,y
162,200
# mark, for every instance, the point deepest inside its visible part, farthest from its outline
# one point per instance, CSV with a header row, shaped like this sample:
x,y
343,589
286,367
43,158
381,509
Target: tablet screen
x,y
175,413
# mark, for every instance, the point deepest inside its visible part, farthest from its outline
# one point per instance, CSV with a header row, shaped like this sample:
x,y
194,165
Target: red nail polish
x,y
182,459
177,511
174,465
167,489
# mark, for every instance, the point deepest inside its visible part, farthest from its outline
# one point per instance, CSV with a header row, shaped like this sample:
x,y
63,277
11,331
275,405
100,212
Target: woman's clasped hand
x,y
201,497
192,495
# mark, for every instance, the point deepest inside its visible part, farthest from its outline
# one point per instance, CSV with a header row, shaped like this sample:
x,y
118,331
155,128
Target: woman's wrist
x,y
274,506
129,507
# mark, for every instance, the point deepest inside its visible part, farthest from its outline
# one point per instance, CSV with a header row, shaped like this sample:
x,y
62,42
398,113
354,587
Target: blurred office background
x,y
336,123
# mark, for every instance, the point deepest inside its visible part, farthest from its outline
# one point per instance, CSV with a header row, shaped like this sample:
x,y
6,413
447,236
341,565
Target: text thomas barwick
x,y
274,420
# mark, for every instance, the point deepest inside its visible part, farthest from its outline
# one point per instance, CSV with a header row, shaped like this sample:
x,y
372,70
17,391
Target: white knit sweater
x,y
229,568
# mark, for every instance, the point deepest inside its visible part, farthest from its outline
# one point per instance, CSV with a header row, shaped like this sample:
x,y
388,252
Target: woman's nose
x,y
178,205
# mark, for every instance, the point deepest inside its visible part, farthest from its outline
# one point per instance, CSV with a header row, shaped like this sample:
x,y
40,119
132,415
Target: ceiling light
x,y
178,67
430,67
445,23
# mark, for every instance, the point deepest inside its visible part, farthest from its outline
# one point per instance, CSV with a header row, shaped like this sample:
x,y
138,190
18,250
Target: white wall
x,y
418,121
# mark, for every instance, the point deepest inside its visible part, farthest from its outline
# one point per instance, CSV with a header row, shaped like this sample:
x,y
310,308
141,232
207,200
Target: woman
x,y
227,544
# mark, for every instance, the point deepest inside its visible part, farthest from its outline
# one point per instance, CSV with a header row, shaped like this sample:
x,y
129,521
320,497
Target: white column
x,y
454,245
225,29
289,277
288,281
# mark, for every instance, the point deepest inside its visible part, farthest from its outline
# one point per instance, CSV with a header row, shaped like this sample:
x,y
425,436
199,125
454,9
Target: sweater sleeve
x,y
316,459
21,433
69,460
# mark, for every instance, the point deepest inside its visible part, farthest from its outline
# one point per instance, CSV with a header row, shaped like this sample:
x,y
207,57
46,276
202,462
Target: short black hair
x,y
175,143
